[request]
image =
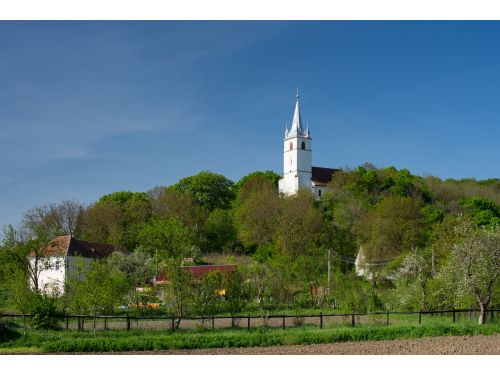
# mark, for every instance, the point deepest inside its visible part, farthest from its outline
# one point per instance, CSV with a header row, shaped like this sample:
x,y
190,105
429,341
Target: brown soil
x,y
432,345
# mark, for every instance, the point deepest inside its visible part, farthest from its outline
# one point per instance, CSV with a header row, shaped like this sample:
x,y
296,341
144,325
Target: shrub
x,y
7,334
43,310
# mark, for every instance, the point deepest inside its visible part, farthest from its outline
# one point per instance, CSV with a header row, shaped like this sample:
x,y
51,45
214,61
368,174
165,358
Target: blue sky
x,y
88,108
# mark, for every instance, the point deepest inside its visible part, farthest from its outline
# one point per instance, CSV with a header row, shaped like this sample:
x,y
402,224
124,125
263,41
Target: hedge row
x,y
156,341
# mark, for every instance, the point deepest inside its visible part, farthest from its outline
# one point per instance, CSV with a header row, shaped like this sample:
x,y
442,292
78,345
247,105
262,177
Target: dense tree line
x,y
428,244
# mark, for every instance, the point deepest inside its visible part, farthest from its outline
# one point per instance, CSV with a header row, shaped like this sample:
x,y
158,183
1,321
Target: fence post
x,y
491,312
105,324
128,323
213,323
173,324
453,316
353,320
420,317
67,322
387,319
83,323
321,320
283,325
248,323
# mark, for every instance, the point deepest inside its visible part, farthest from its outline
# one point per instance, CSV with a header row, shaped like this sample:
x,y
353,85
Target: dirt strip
x,y
431,345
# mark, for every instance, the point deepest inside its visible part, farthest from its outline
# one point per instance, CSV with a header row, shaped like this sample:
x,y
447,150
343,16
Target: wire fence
x,y
321,320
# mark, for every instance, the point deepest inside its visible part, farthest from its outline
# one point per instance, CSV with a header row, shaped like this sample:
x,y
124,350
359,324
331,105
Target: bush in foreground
x,y
7,334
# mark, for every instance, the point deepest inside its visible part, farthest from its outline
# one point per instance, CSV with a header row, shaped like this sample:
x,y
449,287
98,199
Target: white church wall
x,y
319,190
297,157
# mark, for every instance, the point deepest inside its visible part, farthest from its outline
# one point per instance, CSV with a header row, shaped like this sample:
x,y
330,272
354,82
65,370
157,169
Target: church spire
x,y
297,129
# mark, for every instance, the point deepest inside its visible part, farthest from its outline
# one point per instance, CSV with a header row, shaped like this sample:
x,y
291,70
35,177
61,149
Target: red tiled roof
x,y
70,246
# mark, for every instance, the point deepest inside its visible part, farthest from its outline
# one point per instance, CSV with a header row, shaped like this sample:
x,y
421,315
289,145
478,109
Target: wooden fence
x,y
173,323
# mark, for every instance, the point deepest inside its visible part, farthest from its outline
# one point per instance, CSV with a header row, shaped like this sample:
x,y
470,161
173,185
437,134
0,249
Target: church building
x,y
298,172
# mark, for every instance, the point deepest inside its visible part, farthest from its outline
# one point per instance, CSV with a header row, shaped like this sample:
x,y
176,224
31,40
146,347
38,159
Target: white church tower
x,y
297,158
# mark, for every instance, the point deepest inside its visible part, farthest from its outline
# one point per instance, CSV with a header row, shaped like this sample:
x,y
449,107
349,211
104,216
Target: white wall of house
x,y
361,266
51,273
54,270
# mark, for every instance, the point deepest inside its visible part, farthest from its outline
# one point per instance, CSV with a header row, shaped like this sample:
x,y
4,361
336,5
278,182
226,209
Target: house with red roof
x,y
59,258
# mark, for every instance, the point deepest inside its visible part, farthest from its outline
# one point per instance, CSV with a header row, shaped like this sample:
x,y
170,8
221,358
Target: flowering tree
x,y
411,279
475,263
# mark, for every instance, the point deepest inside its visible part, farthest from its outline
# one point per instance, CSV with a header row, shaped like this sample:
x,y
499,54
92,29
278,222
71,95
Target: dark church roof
x,y
70,246
322,175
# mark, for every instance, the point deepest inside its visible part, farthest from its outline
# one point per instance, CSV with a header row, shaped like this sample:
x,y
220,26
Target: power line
x,y
350,260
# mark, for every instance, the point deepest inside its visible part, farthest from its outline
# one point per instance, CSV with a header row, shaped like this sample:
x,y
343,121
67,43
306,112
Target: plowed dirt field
x,y
432,345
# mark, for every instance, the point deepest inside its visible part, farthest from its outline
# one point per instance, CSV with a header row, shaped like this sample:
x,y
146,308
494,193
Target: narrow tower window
x,y
319,193
291,145
303,145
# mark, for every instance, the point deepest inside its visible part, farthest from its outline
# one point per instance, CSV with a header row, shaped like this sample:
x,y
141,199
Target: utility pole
x,y
329,268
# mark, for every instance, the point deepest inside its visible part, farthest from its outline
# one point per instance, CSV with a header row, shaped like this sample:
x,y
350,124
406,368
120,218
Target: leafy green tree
x,y
350,293
138,267
220,230
116,218
22,258
18,292
168,202
179,290
270,175
310,270
102,222
257,211
95,287
395,225
43,308
209,190
258,275
207,299
165,239
301,225
237,292
483,210
25,254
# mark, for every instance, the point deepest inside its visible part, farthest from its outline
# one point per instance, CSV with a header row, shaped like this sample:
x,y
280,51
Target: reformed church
x,y
298,172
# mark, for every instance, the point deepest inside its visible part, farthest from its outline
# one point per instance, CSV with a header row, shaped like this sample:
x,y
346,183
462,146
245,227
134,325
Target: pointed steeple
x,y
297,129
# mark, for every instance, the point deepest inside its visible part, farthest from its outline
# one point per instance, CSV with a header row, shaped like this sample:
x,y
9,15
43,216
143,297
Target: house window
x,y
303,145
319,193
291,145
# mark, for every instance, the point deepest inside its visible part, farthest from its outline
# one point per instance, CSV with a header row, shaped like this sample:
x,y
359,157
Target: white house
x,y
362,267
298,172
59,259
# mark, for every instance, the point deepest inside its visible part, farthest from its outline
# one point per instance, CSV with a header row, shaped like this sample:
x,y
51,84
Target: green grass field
x,y
142,340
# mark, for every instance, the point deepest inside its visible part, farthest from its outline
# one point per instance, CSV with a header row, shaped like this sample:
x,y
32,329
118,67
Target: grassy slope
x,y
116,341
